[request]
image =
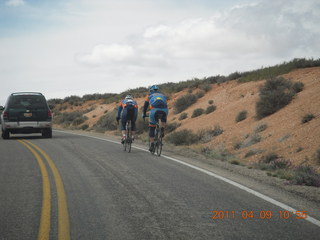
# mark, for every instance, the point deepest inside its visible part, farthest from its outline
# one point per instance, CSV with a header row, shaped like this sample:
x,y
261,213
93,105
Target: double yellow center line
x,y
63,216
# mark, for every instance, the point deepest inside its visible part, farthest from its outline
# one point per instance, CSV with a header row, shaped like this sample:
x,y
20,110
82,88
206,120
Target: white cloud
x,y
15,3
261,30
104,54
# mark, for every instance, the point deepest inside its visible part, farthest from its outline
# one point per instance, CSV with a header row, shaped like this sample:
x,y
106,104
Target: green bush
x,y
183,116
184,102
210,102
274,94
307,118
197,112
210,109
183,137
241,116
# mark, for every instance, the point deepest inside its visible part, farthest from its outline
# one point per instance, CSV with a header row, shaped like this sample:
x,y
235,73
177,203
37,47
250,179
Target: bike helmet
x,y
129,97
154,88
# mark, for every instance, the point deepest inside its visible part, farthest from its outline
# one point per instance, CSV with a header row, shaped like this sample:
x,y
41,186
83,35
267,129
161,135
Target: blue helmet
x,y
153,88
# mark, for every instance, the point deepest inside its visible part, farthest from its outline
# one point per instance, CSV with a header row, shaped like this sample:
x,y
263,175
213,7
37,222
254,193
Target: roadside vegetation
x,y
275,94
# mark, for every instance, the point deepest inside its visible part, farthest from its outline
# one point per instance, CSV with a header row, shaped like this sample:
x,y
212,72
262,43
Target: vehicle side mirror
x,y
1,108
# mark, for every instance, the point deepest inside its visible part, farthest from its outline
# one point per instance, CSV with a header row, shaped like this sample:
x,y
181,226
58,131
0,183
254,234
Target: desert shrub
x,y
274,94
79,120
172,126
251,140
141,126
183,137
307,118
67,118
210,109
84,127
216,131
210,102
235,162
297,87
205,87
205,135
269,158
197,112
107,122
200,94
237,145
73,100
278,69
306,175
252,152
183,116
280,163
183,102
241,116
318,155
261,127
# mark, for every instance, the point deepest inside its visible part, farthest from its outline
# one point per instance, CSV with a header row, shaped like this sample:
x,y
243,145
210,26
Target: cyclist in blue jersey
x,y
158,106
129,109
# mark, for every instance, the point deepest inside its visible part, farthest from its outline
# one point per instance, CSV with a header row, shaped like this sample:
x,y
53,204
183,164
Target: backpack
x,y
158,100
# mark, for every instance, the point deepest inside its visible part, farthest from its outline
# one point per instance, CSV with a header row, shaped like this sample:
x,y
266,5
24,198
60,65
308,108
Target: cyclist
x,y
130,112
158,105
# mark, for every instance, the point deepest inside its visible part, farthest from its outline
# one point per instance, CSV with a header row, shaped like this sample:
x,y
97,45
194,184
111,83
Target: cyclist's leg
x,y
152,127
133,122
163,120
123,124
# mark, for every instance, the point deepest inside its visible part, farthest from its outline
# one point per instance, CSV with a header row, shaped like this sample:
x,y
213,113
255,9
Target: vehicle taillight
x,y
49,114
5,115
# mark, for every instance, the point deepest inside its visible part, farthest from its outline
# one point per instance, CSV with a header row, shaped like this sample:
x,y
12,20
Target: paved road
x,y
96,191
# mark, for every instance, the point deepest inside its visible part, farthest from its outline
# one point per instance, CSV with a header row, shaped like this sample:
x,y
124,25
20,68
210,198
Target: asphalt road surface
x,y
78,187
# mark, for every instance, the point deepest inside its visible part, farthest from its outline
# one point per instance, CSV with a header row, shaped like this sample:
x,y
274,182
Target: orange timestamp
x,y
263,214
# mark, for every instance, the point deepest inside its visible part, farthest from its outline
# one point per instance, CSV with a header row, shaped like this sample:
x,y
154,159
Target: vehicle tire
x,y
47,133
5,134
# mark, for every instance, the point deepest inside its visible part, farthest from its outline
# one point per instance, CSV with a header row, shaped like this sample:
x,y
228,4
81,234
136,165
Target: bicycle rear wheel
x,y
129,142
159,143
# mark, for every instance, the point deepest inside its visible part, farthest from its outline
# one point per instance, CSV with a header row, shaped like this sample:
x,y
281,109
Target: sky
x,y
76,47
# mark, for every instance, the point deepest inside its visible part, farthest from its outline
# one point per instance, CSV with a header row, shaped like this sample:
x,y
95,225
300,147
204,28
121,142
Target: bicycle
x,y
157,138
128,140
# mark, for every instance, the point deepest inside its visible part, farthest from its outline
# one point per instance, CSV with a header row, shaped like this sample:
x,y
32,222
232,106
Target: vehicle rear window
x,y
27,101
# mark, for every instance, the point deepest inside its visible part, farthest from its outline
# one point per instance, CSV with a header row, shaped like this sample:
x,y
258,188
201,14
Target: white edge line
x,y
249,190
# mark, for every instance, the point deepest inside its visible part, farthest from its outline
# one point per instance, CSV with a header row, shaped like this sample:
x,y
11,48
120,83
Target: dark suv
x,y
26,112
